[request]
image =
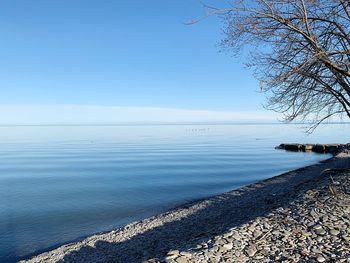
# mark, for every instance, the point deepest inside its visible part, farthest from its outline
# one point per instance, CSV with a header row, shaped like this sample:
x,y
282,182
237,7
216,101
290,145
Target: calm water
x,y
58,184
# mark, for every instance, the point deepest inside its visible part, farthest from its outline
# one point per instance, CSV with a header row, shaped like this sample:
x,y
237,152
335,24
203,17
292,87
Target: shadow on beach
x,y
215,216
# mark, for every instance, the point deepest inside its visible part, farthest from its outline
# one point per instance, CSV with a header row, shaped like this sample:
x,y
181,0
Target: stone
x,y
331,148
320,259
334,232
320,232
181,260
307,147
251,251
228,246
251,228
317,227
304,253
171,257
314,214
346,237
227,235
320,148
319,238
186,254
292,147
174,252
257,233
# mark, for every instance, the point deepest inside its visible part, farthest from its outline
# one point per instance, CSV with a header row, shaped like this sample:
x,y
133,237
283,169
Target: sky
x,y
115,57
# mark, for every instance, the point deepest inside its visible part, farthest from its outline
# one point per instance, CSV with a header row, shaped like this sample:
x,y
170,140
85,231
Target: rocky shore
x,y
299,216
315,227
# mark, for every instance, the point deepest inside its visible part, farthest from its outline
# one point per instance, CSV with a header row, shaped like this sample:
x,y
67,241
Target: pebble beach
x,y
299,216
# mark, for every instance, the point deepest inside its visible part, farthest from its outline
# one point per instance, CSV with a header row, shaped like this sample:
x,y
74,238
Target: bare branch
x,y
301,53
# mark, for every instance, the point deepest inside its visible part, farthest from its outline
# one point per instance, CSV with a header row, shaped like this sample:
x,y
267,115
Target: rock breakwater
x,y
319,148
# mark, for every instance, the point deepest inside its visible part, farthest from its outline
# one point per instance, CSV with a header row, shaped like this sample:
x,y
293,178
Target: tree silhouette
x,y
299,50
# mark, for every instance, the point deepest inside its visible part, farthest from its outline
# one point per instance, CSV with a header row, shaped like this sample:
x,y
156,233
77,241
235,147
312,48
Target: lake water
x,y
61,183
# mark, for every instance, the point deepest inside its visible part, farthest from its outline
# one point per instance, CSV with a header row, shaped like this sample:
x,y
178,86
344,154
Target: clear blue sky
x,y
119,53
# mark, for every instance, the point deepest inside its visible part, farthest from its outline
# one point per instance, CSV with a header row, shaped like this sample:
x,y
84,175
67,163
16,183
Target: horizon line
x,y
145,123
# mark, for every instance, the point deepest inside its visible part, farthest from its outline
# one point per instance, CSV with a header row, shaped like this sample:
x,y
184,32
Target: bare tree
x,y
300,52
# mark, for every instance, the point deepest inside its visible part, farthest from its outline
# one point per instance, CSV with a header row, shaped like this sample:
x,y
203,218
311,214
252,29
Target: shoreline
x,y
183,227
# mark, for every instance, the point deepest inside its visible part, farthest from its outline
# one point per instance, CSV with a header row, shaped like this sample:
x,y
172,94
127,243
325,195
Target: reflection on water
x,y
60,183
